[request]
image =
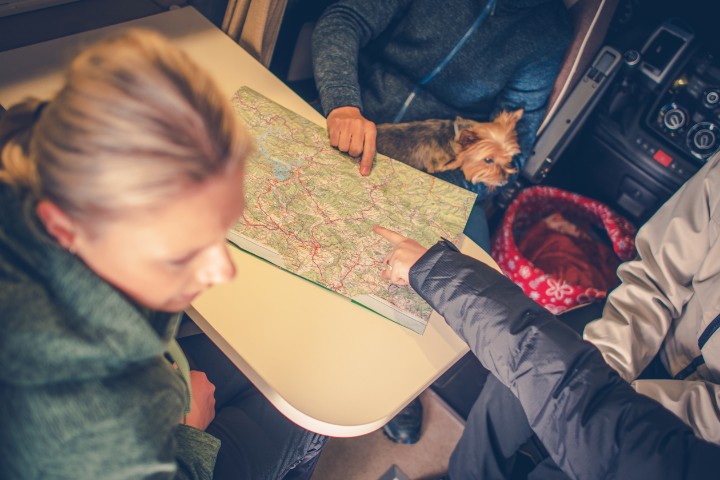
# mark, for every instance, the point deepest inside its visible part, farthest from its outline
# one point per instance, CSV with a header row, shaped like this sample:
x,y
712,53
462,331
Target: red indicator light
x,y
662,158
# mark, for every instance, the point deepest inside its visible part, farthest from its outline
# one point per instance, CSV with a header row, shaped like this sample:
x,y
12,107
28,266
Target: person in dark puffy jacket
x,y
591,422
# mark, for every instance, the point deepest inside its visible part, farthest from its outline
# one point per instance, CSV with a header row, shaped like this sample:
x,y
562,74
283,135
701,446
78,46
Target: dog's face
x,y
486,149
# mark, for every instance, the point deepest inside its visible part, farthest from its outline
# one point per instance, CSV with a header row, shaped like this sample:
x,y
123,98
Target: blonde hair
x,y
135,122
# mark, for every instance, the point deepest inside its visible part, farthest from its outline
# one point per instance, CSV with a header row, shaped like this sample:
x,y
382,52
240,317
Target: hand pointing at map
x,y
352,133
404,254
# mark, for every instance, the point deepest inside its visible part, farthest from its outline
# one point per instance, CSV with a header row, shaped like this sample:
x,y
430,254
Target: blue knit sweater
x,y
372,55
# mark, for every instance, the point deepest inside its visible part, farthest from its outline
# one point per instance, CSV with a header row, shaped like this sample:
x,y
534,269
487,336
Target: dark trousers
x,y
495,430
476,228
257,441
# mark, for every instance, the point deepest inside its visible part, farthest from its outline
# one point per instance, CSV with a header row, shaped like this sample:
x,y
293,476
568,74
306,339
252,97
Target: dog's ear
x,y
461,124
466,138
517,114
510,119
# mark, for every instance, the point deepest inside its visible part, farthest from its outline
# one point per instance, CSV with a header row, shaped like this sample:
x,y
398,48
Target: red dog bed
x,y
555,245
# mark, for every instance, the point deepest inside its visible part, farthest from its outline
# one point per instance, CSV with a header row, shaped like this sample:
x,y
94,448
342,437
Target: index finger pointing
x,y
392,237
368,153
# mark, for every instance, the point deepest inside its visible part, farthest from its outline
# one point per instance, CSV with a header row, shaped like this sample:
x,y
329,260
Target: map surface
x,y
309,211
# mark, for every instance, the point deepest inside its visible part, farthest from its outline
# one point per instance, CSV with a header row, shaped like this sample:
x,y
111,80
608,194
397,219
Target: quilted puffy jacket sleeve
x,y
593,424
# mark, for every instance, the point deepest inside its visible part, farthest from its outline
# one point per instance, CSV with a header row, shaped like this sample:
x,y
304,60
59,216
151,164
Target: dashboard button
x,y
662,158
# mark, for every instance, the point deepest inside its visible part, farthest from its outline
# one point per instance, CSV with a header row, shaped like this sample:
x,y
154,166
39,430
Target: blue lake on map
x,y
281,170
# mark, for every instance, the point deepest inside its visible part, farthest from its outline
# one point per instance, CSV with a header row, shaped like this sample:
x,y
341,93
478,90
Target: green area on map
x,y
307,202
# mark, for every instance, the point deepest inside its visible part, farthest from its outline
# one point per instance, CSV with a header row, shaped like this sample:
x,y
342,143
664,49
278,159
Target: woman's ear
x,y
57,223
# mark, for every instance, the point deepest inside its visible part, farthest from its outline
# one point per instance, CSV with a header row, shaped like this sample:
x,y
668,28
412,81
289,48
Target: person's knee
x,y
495,394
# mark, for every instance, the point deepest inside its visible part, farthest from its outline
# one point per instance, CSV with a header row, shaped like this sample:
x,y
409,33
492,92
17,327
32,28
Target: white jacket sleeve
x,y
655,290
657,284
696,403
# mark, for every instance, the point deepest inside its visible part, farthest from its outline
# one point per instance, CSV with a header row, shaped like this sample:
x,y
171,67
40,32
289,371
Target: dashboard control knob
x,y
711,97
631,58
702,139
673,117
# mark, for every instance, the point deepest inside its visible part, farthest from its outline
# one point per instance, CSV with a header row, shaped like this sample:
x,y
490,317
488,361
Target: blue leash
x,y
490,7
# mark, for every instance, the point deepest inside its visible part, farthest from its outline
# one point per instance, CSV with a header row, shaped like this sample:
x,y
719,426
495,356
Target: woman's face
x,y
163,257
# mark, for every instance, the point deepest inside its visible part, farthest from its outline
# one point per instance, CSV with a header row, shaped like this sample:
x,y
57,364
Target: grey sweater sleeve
x,y
343,29
591,421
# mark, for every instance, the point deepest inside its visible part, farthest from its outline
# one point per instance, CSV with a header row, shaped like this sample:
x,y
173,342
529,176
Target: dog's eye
x,y
489,160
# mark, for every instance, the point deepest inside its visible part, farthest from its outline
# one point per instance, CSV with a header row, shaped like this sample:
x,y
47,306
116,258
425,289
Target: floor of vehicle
x,y
369,456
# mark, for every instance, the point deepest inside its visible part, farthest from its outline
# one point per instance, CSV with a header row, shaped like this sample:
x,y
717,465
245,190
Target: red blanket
x,y
567,251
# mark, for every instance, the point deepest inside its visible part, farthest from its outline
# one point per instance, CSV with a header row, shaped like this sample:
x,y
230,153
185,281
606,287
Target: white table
x,y
328,364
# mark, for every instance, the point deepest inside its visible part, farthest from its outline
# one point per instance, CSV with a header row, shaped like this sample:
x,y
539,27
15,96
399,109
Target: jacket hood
x,y
58,320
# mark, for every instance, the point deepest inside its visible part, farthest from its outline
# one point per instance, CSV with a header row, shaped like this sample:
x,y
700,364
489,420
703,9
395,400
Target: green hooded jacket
x,y
85,388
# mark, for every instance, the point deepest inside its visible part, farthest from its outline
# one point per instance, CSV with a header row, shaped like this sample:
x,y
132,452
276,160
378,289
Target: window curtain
x,y
254,25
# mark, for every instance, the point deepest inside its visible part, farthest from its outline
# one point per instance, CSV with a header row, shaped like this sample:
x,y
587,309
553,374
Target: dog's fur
x,y
483,150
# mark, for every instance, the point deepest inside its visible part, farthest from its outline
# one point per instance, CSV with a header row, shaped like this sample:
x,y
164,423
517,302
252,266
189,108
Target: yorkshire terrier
x,y
483,150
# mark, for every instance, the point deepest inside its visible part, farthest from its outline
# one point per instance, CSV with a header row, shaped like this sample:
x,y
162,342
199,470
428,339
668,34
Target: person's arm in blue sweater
x,y
593,424
343,29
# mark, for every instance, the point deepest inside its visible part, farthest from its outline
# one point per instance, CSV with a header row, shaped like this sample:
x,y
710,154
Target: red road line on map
x,y
315,251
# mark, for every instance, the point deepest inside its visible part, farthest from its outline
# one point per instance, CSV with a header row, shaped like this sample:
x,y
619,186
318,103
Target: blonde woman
x,y
114,201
